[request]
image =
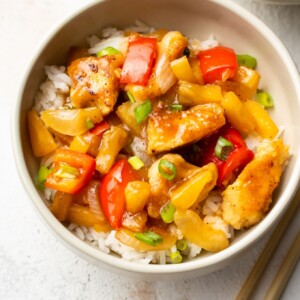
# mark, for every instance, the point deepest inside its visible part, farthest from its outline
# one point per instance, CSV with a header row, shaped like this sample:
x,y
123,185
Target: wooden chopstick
x,y
285,271
263,260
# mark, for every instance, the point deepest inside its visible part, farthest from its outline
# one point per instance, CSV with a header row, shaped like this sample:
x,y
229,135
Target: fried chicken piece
x,y
247,200
168,129
95,81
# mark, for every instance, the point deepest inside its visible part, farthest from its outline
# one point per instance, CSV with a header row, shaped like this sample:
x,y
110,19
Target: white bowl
x,y
232,26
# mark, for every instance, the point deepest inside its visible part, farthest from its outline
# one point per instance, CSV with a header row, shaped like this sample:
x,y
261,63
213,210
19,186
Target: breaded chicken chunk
x,y
246,201
95,82
168,129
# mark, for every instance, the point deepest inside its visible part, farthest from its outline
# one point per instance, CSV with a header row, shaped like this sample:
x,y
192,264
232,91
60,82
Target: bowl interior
x,y
232,27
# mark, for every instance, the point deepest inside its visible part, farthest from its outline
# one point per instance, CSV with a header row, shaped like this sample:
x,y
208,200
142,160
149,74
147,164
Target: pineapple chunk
x,y
237,113
198,232
264,125
182,69
191,94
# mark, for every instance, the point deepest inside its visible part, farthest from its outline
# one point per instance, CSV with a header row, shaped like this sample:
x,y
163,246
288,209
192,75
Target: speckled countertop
x,y
33,264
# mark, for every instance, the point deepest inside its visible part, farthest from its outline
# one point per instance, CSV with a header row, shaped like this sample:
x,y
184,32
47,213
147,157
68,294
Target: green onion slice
x,y
186,52
149,237
223,148
265,99
130,97
136,162
67,172
181,245
167,212
176,257
107,51
42,176
89,124
142,111
176,107
246,61
167,169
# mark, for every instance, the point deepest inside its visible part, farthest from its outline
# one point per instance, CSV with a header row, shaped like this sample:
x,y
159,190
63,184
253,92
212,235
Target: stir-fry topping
x,y
167,169
167,212
149,237
265,99
107,51
149,143
42,177
142,111
246,61
223,148
136,162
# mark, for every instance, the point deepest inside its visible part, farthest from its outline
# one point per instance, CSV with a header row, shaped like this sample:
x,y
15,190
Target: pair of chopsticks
x,y
287,266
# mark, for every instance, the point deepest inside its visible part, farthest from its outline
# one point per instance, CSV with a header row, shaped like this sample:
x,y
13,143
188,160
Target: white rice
x,y
54,94
108,243
195,45
212,212
54,90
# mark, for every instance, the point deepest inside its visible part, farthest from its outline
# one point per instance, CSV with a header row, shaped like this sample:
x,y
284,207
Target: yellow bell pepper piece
x,y
193,94
113,141
42,141
264,125
195,188
198,232
182,69
72,121
136,195
237,113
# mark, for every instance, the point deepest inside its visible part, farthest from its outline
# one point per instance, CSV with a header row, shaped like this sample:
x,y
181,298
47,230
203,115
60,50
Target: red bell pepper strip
x,y
139,61
100,128
218,63
112,196
237,159
71,171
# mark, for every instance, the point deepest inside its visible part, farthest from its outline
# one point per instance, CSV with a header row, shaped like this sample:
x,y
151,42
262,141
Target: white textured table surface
x,y
33,264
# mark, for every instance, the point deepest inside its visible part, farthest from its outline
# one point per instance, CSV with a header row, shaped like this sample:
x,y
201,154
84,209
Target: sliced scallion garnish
x,y
181,245
42,176
265,99
176,257
167,169
176,107
130,97
246,61
136,162
67,172
223,148
107,51
142,111
149,237
167,212
89,124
